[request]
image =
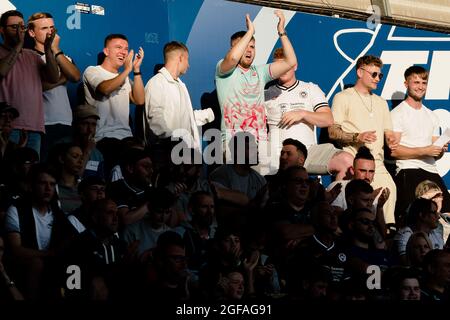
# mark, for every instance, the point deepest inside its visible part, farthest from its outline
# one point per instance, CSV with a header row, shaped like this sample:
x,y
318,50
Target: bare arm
x,y
350,138
137,94
234,55
402,152
68,69
280,67
321,118
128,216
51,70
8,62
233,196
105,88
15,242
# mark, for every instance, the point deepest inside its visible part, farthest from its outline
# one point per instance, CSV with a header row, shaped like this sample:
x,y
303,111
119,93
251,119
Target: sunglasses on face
x,y
374,74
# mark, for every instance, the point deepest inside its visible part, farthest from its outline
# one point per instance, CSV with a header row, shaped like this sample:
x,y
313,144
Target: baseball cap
x,y
85,111
5,107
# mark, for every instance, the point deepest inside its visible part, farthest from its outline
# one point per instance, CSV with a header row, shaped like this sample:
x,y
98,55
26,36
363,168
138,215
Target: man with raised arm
x,y
240,85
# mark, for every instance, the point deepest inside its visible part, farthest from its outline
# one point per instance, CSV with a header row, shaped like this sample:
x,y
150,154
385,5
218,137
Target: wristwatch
x,y
280,34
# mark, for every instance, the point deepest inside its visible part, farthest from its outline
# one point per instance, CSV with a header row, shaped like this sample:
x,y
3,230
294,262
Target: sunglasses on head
x,y
374,74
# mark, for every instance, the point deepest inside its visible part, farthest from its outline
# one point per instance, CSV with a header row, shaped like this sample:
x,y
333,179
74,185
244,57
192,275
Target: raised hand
x,y
139,57
383,197
49,40
128,64
55,43
250,26
281,21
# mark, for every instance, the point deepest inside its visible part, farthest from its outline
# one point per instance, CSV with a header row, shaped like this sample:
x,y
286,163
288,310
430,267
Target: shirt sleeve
x,y
340,108
264,73
158,111
12,220
397,123
92,77
387,120
220,74
318,99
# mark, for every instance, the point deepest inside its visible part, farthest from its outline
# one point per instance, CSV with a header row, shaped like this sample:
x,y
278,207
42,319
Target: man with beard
x,y
240,84
418,128
22,73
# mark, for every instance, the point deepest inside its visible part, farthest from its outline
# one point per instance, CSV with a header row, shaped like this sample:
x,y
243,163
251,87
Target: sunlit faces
x,y
290,157
42,28
365,76
364,169
416,86
249,53
116,51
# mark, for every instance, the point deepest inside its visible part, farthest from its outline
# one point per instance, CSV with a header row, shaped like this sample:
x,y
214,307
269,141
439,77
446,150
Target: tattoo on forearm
x,y
340,136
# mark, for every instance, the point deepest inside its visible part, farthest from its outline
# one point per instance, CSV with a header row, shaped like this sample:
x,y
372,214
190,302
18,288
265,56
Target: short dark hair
x,y
7,14
238,35
37,16
39,168
288,173
355,186
420,71
114,36
364,153
90,181
367,61
418,206
300,146
355,212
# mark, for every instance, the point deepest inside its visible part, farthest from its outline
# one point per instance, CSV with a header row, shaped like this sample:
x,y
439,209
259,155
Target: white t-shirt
x,y
44,224
57,108
300,96
114,109
417,126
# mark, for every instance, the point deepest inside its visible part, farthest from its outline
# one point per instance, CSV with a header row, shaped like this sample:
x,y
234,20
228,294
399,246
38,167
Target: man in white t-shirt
x,y
294,108
111,91
418,128
57,110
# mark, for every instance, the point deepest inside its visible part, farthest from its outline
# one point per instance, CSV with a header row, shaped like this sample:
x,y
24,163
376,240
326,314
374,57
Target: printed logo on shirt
x,y
303,94
342,257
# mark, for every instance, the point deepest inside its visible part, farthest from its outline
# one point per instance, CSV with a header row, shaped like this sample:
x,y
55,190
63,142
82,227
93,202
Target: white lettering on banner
x,y
399,61
439,81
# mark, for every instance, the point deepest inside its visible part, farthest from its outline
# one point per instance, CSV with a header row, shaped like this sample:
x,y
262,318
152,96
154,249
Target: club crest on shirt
x,y
303,94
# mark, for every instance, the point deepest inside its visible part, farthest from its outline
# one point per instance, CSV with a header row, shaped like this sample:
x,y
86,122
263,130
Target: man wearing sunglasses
x,y
362,118
21,74
418,128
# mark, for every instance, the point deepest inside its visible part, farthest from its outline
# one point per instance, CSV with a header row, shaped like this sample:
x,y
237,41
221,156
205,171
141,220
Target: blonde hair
x,y
425,186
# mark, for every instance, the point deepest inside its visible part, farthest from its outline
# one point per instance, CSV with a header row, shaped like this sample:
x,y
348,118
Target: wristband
x,y
280,34
56,55
137,73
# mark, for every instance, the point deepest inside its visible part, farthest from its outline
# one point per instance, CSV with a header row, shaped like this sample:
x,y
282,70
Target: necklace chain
x,y
371,105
